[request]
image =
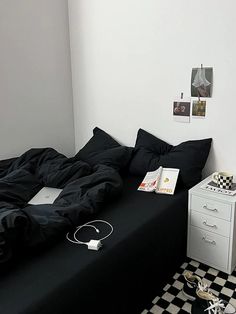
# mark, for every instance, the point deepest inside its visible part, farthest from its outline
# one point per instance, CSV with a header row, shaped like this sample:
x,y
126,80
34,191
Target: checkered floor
x,y
171,299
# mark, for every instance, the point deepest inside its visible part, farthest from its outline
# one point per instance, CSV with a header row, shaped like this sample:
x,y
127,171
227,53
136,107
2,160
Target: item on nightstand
x,y
212,187
223,180
162,181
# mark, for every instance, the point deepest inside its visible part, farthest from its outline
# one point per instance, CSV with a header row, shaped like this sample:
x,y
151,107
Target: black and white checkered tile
x,y
171,299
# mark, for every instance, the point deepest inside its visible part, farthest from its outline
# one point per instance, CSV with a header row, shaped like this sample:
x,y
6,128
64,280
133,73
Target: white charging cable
x,y
92,244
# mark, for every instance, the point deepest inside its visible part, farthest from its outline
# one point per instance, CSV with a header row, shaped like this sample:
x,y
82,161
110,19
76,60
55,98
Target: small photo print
x,y
199,109
201,82
181,111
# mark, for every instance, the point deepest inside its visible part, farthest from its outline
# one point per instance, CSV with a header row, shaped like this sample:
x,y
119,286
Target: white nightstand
x,y
212,228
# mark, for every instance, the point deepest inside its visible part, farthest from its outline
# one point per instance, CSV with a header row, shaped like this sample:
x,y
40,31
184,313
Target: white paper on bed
x,y
45,196
162,180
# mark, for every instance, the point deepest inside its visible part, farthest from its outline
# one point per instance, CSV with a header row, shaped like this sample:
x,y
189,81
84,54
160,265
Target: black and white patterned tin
x,y
225,182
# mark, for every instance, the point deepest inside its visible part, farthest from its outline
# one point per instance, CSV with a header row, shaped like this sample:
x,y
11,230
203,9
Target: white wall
x,y
35,77
130,58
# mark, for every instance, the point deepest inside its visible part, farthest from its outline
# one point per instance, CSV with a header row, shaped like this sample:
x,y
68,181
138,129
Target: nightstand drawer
x,y
211,207
210,223
209,247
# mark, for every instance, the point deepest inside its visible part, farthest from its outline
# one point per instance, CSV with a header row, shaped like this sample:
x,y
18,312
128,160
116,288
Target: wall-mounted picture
x,y
199,109
181,111
201,82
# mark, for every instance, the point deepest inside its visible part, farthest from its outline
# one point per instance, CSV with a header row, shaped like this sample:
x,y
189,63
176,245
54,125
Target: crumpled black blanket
x,y
85,190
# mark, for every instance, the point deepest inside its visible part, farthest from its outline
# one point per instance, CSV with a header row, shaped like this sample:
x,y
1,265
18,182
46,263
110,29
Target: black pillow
x,y
103,149
150,153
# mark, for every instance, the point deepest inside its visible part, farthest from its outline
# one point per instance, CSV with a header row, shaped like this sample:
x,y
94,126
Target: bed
x,y
146,247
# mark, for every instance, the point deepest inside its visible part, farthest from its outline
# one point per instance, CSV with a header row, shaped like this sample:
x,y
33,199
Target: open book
x,y
162,180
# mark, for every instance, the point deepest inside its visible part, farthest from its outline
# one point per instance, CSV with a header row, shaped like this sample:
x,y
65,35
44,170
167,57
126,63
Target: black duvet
x,y
85,190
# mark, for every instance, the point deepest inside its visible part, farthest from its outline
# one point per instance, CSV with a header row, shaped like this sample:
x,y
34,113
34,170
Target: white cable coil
x,y
92,244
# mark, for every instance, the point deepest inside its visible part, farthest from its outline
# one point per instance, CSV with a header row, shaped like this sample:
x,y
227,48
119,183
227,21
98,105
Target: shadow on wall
x,y
210,166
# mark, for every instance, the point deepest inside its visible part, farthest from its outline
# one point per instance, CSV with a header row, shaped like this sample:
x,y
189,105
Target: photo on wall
x,y
199,108
181,110
201,82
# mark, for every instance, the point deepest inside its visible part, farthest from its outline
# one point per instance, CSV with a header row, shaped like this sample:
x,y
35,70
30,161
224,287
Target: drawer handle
x,y
209,241
209,225
211,209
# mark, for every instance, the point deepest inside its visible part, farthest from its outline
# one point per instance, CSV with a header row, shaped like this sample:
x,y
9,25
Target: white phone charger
x,y
94,245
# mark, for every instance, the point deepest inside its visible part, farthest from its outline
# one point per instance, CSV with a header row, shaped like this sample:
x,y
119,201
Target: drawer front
x,y
209,247
210,223
211,207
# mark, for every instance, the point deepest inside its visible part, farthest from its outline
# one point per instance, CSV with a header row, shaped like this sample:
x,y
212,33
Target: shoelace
x,y
216,307
203,287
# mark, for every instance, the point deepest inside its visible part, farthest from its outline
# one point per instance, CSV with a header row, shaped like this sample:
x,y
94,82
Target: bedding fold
x,y
85,190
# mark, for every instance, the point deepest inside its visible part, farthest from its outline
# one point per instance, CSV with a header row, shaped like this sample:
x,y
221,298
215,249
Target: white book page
x,y
168,181
150,181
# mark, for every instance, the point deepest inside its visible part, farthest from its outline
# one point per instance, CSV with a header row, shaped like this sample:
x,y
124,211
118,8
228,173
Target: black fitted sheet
x,y
147,245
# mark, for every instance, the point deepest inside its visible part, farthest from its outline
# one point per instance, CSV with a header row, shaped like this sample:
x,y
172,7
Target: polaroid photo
x,y
181,110
201,82
199,109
